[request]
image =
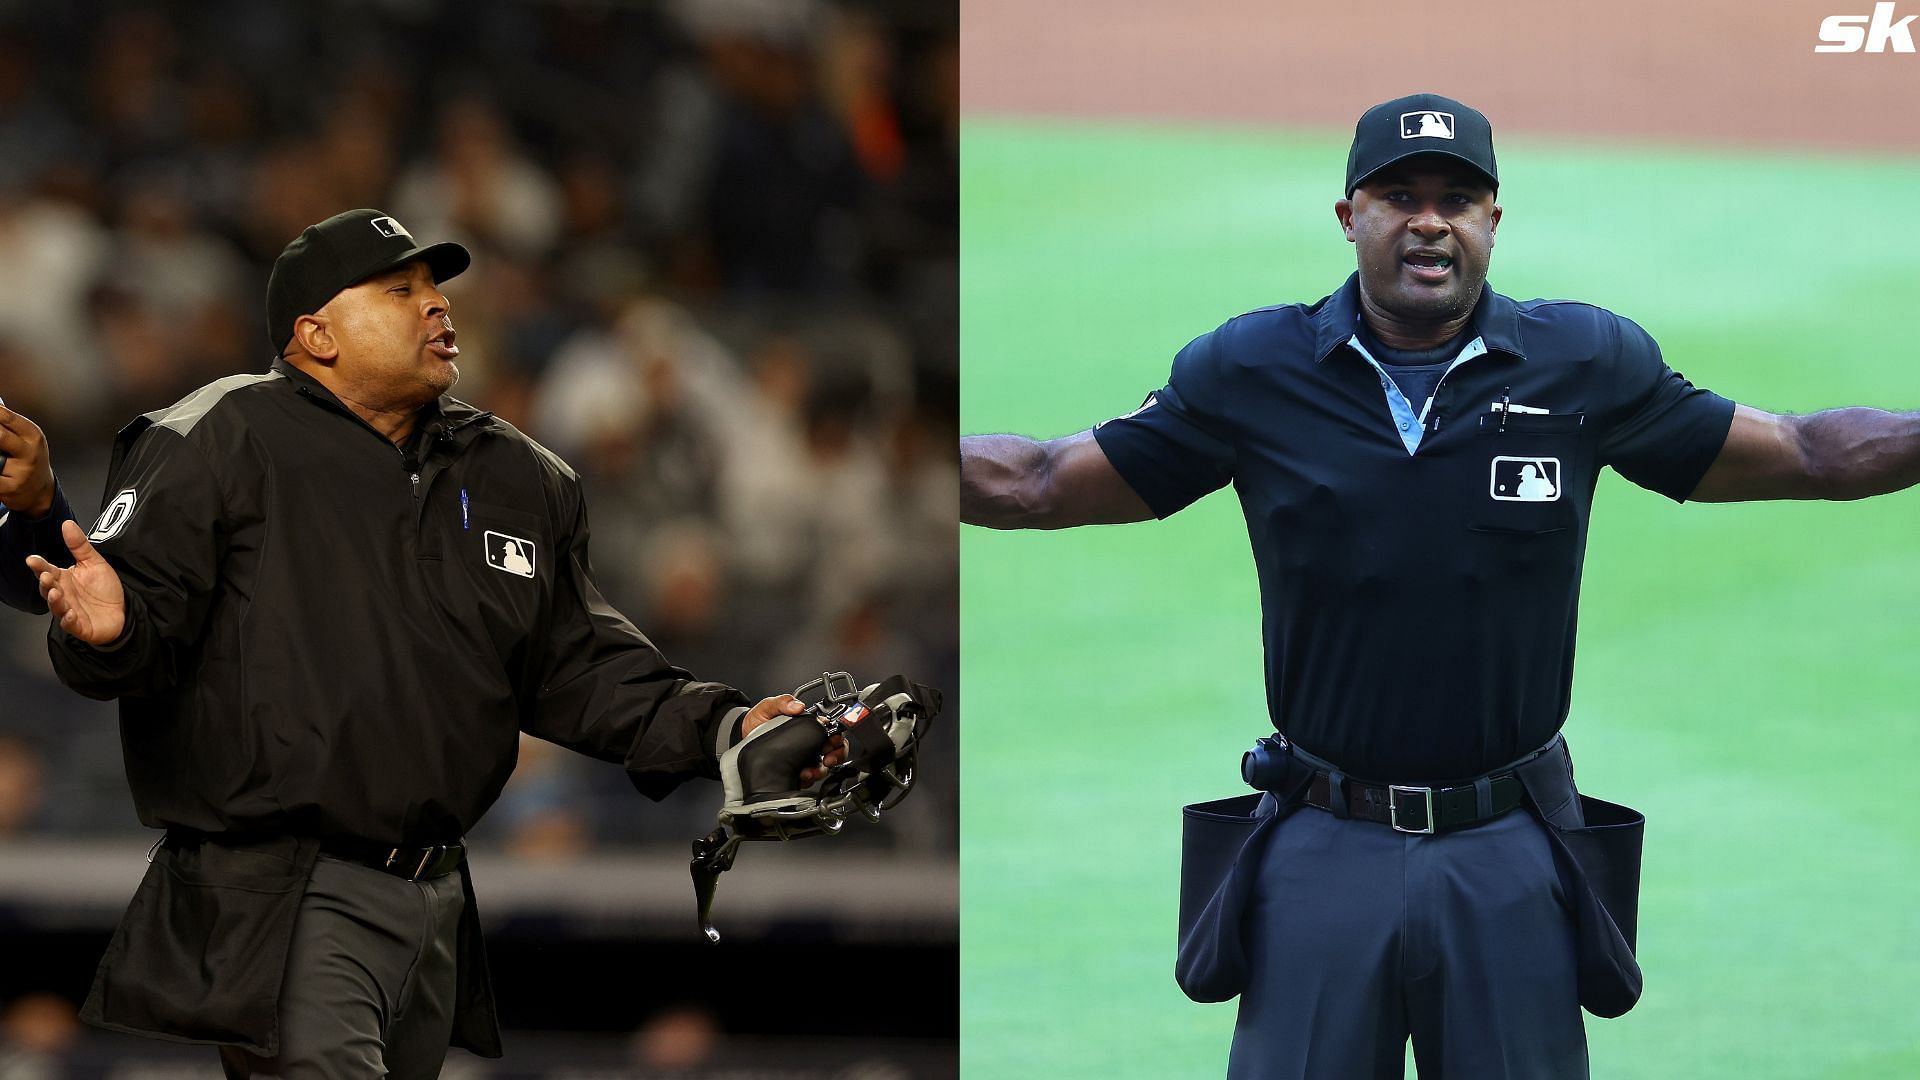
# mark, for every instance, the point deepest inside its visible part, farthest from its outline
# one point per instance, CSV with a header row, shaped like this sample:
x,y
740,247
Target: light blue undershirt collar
x,y
1413,426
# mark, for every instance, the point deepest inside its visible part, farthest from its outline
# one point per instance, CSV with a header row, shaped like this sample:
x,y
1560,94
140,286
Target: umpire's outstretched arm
x,y
1013,482
1837,454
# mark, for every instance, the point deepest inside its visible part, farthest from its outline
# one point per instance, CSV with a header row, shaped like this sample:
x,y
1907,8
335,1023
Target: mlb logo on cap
x,y
1427,124
1418,125
390,228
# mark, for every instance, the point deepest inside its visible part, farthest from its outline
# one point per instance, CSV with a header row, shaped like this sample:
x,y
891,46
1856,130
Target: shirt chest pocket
x,y
1531,474
503,565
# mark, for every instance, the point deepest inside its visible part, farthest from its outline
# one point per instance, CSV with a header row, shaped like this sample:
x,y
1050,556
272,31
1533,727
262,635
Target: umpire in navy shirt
x,y
1416,456
32,506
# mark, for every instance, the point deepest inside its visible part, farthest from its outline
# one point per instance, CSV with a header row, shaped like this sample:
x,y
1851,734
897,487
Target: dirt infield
x,y
1722,72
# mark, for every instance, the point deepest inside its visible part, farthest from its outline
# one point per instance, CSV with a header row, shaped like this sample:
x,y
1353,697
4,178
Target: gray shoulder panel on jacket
x,y
188,411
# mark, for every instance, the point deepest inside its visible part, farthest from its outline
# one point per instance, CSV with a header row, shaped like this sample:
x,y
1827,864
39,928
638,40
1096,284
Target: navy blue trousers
x,y
1360,937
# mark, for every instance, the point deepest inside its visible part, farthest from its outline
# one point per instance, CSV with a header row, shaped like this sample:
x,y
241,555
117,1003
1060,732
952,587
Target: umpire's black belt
x,y
412,863
1279,766
1416,809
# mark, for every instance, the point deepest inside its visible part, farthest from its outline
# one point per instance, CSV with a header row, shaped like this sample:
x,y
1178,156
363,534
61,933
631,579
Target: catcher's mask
x,y
883,726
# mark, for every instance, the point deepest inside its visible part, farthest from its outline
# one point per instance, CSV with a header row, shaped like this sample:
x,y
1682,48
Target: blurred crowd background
x,y
715,268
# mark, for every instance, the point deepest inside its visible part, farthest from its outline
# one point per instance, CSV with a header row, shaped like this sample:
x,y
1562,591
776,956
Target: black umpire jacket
x,y
330,636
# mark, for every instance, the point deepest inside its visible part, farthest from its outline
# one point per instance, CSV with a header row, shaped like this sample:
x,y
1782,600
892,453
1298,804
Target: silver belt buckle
x,y
1393,808
427,855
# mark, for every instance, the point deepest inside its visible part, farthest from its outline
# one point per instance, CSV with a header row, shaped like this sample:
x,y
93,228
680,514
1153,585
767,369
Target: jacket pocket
x,y
201,952
499,575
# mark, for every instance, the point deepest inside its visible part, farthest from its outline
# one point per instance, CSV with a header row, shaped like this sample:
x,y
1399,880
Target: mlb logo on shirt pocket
x,y
509,554
1525,479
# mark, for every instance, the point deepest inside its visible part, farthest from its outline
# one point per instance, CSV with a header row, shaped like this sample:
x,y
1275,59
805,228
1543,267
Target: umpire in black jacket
x,y
329,599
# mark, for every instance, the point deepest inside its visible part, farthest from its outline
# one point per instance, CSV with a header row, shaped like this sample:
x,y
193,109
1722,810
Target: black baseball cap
x,y
341,252
1420,124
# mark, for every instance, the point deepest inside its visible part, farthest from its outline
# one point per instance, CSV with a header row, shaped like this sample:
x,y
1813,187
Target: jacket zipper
x,y
413,478
413,471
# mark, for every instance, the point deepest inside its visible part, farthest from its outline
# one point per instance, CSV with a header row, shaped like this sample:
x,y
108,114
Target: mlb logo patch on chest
x,y
510,554
1525,479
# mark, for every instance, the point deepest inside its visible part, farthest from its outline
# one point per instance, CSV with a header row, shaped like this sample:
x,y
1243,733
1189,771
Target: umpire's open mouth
x,y
1427,264
441,344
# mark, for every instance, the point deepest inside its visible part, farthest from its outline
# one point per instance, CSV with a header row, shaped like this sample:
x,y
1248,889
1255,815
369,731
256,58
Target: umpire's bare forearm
x,y
1838,454
1013,482
1003,481
1859,452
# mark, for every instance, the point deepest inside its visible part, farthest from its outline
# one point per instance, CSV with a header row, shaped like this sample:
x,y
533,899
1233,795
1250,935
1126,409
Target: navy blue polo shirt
x,y
1419,561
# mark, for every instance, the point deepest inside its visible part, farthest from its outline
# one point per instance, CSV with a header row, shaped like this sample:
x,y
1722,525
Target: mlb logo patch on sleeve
x,y
1525,479
510,554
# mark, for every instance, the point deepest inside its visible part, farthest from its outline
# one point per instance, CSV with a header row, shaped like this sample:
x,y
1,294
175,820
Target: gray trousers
x,y
370,979
1359,937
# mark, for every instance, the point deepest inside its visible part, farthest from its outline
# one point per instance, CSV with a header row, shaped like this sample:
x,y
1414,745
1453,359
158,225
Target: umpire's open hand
x,y
783,705
26,469
86,599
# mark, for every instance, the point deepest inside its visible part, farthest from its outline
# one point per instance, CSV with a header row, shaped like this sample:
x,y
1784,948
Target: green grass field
x,y
1747,674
